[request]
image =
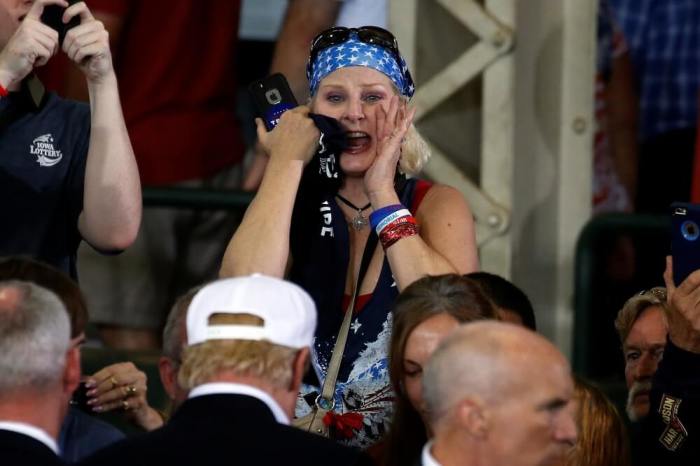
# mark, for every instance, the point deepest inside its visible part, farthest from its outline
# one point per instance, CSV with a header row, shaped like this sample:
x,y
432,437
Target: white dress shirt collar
x,y
426,457
219,388
30,431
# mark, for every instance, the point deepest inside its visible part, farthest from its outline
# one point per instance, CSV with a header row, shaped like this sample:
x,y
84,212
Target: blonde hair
x,y
415,152
201,363
602,436
634,307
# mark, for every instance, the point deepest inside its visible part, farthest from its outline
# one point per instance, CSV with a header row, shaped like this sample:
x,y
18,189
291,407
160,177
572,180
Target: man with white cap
x,y
247,350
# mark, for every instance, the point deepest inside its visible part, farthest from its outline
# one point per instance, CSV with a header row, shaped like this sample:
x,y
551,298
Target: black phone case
x,y
52,17
685,239
272,97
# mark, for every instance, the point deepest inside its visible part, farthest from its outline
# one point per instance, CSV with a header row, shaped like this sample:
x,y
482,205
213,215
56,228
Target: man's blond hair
x,y
203,362
634,307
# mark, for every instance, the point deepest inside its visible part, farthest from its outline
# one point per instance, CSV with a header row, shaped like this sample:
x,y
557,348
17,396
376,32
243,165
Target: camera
x,y
52,17
685,247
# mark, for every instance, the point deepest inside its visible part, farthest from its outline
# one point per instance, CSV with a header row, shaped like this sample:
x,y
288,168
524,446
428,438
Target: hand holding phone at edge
x,y
31,46
684,305
294,138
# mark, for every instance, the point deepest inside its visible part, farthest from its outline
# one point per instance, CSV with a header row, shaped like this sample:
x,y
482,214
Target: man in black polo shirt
x,y
67,170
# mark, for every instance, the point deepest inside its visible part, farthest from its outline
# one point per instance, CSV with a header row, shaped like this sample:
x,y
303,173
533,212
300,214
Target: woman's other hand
x,y
392,125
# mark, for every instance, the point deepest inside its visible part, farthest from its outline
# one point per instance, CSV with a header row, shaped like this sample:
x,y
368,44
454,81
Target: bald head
x,y
487,360
500,390
10,297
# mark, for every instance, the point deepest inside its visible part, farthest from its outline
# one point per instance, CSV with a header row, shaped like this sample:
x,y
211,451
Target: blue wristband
x,y
392,218
378,215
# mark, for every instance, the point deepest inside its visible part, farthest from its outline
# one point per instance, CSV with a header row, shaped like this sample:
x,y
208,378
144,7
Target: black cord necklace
x,y
359,221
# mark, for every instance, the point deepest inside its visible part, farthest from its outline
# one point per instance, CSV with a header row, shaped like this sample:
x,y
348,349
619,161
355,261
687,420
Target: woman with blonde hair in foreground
x,y
315,214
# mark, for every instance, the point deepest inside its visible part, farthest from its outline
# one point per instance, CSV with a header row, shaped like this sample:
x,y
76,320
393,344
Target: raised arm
x,y
668,432
684,315
446,242
303,20
112,195
261,242
622,122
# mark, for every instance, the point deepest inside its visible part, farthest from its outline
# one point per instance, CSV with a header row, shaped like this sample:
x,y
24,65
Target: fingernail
x,y
98,409
92,401
91,392
89,383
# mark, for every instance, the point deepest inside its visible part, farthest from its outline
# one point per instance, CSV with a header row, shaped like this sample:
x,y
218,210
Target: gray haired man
x,y
642,327
39,370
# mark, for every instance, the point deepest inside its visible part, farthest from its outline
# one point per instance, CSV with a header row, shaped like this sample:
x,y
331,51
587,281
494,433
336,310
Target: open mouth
x,y
358,141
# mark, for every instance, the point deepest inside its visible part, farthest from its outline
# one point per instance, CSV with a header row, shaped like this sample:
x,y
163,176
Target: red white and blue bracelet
x,y
393,223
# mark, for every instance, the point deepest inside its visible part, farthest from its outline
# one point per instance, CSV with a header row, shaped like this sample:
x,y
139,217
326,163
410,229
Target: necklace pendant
x,y
359,221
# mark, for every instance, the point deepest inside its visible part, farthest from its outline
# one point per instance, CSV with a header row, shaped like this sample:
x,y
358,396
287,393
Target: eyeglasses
x,y
658,292
368,34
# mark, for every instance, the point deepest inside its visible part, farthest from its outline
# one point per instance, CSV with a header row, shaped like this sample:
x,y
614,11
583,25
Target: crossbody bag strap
x,y
326,400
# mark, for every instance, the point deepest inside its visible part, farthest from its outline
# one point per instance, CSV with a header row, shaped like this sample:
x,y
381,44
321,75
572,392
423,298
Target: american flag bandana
x,y
354,52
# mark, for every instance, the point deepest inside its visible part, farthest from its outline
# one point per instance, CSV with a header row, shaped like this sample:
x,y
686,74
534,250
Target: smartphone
x,y
685,239
80,398
272,97
52,17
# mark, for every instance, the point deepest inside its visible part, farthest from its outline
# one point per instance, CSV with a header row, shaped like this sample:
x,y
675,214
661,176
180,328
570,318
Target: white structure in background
x,y
261,19
535,59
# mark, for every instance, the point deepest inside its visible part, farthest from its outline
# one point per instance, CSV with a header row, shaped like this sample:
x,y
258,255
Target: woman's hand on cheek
x,y
294,138
392,125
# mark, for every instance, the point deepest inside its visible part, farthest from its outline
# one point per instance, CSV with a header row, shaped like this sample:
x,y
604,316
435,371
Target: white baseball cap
x,y
287,311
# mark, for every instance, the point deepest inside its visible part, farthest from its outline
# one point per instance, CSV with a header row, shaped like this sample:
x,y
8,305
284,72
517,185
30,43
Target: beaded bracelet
x,y
396,231
378,215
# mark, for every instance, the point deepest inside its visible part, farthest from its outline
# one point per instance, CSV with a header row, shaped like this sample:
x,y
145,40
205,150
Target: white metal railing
x,y
529,209
491,57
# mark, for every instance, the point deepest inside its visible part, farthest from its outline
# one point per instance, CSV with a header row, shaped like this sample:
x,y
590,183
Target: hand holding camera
x,y
684,304
86,42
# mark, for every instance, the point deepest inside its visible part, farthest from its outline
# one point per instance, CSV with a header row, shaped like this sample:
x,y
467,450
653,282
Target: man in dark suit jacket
x,y
248,342
39,369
